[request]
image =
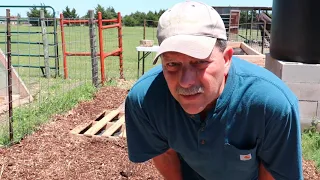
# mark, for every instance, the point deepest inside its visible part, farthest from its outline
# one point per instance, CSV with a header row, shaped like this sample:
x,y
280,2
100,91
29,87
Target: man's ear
x,y
227,56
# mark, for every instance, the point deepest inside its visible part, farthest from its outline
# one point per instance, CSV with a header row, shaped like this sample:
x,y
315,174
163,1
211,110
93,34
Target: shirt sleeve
x,y
281,152
143,140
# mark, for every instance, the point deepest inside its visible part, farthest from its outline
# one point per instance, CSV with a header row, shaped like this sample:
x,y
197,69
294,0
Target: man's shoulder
x,y
151,84
264,87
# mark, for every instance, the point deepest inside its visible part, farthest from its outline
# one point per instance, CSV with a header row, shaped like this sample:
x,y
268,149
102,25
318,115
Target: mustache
x,y
190,91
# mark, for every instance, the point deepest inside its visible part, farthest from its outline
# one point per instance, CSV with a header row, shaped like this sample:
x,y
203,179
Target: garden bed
x,y
245,52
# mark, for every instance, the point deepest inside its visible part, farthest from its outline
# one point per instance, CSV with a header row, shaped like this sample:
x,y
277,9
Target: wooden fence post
x,y
93,48
45,44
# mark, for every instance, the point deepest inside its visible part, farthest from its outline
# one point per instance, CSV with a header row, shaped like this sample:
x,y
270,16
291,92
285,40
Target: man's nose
x,y
188,77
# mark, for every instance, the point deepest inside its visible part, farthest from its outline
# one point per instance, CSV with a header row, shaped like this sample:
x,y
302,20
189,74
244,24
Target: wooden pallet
x,y
110,124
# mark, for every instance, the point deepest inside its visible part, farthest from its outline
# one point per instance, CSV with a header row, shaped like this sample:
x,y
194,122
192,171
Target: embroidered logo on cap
x,y
245,157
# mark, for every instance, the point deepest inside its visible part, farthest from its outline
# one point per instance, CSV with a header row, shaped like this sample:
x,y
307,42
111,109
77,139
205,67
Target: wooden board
x,y
252,57
102,123
248,49
251,54
234,44
110,124
114,127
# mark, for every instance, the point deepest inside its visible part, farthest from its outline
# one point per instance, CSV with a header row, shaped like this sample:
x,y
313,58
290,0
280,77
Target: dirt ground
x,y
53,153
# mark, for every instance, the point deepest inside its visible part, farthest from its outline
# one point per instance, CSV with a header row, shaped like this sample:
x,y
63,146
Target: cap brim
x,y
199,47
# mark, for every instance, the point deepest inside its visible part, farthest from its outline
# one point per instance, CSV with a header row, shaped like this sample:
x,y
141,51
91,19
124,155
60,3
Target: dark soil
x,y
53,153
238,51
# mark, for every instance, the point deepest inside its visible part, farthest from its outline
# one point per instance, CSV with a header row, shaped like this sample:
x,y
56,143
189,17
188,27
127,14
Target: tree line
x,y
133,19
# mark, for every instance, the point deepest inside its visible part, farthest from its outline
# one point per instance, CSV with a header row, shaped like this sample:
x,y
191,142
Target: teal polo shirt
x,y
256,119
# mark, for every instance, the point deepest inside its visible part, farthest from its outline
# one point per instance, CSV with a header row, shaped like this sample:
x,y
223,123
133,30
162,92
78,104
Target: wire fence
x,y
252,35
47,80
53,69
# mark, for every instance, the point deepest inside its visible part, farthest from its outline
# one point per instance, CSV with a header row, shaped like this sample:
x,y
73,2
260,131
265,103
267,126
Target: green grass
x,y
311,145
58,95
28,118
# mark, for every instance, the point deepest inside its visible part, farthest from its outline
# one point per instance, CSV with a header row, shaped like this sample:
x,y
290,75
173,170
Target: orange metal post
x,y
101,48
102,54
112,53
63,47
110,26
120,45
69,21
110,20
80,54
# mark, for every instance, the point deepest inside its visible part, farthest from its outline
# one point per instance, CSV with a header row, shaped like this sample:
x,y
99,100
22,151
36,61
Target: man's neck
x,y
204,113
212,105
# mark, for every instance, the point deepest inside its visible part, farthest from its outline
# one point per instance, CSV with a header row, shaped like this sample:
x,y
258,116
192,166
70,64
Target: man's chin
x,y
192,108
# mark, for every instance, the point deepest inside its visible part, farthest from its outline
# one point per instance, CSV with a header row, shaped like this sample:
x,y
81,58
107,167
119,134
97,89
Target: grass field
x,y
57,95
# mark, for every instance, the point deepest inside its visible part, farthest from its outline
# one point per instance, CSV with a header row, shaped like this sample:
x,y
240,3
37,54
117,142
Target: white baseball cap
x,y
191,28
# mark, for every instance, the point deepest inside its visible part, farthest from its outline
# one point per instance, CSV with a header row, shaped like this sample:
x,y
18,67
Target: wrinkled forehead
x,y
171,56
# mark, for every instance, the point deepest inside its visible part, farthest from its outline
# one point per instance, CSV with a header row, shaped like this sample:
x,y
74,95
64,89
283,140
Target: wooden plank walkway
x,y
110,124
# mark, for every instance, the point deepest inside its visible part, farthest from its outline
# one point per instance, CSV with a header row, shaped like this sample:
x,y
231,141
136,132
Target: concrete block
x,y
305,91
297,72
307,122
273,65
293,71
308,111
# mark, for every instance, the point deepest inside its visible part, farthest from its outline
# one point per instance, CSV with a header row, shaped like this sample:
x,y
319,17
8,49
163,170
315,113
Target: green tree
x,y
74,13
151,18
67,13
243,18
129,21
34,16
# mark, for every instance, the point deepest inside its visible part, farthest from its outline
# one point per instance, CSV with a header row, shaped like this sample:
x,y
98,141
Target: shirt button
x,y
203,141
202,129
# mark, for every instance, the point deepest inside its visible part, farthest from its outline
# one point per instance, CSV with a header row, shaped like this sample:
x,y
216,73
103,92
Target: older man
x,y
204,114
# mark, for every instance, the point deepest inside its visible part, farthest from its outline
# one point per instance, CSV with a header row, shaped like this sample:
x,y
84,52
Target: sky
x,y
125,7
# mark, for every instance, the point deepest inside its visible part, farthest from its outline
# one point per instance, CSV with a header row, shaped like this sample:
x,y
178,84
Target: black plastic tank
x,y
295,32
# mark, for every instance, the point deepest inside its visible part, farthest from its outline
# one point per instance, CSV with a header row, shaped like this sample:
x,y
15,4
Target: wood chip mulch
x,y
53,153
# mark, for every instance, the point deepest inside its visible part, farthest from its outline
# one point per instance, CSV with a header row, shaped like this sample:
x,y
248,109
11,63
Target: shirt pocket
x,y
243,161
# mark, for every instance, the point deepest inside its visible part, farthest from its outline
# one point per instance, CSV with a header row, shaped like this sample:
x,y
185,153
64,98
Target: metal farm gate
x,y
42,22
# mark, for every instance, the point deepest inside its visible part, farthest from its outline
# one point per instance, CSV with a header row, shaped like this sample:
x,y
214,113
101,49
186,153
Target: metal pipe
x,y
101,47
63,43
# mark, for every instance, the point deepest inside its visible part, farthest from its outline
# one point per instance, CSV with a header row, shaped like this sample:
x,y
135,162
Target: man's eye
x,y
201,62
172,64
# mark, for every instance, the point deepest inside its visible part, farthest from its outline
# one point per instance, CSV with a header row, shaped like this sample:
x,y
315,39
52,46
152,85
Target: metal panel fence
x,y
31,88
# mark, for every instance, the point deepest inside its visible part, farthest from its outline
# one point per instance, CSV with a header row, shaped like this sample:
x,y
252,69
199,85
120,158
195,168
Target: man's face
x,y
196,83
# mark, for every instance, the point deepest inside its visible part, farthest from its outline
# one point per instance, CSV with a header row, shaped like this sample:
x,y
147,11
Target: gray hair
x,y
221,44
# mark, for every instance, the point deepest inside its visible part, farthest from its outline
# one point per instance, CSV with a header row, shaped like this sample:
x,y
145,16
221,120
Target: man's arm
x,y
264,174
168,164
281,151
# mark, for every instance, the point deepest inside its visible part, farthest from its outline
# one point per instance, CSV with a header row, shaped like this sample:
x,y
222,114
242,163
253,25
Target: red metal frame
x,y
101,54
